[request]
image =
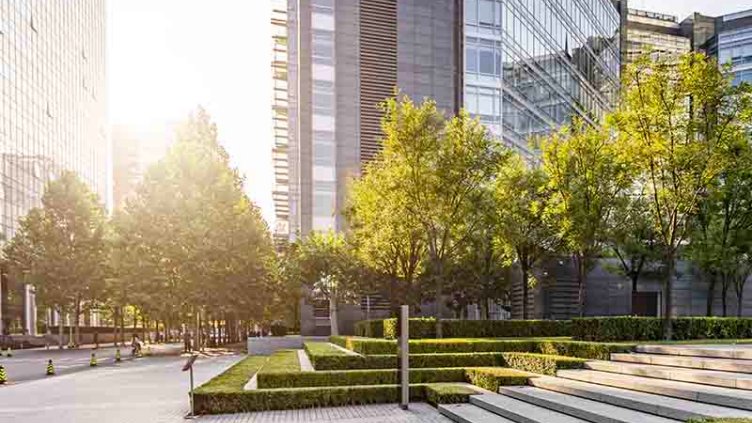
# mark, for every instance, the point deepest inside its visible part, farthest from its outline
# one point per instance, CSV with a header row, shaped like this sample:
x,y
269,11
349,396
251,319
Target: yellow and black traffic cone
x,y
50,369
117,355
93,361
3,376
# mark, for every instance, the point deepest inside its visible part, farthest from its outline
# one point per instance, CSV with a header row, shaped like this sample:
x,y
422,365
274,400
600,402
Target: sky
x,y
167,57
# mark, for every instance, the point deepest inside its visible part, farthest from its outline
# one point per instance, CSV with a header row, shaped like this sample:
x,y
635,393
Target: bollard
x,y
117,355
50,369
93,361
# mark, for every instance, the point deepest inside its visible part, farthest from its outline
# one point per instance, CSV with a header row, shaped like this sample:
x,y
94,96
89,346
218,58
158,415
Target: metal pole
x,y
404,356
192,413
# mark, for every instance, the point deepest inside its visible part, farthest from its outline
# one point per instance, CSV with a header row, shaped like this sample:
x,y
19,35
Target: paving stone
x,y
706,363
742,351
469,413
707,377
520,411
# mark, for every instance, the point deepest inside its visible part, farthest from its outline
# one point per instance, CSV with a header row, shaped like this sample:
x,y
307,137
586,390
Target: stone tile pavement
x,y
380,413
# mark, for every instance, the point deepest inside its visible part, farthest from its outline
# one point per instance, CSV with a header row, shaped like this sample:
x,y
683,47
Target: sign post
x,y
404,356
189,368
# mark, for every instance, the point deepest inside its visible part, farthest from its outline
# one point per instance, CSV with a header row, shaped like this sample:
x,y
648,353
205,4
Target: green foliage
x,y
190,238
239,401
491,378
447,393
541,363
677,122
278,329
270,380
420,328
282,361
563,347
370,328
235,377
61,247
651,328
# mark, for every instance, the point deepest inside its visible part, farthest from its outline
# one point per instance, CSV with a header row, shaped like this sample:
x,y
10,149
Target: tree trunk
x,y
668,285
581,279
439,275
60,332
711,296
334,323
724,293
739,301
114,326
78,318
121,313
525,276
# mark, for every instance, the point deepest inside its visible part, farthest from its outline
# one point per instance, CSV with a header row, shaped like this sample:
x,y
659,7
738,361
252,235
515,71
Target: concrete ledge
x,y
270,344
704,363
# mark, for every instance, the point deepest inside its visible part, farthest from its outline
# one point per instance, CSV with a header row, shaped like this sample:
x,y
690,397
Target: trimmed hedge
x,y
356,377
236,376
651,328
581,349
421,328
447,393
541,363
240,401
492,378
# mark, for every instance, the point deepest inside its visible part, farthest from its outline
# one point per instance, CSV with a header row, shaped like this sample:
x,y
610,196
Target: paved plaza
x,y
154,390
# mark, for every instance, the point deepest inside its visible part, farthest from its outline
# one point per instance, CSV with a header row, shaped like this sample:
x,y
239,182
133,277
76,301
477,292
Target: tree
x,y
444,166
632,237
388,237
589,177
192,244
676,120
522,196
330,269
60,248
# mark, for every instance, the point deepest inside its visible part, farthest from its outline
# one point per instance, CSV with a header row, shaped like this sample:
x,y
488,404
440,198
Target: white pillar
x,y
1,306
30,310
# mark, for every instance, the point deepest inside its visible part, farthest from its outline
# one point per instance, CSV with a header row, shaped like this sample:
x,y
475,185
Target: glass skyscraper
x,y
52,112
734,44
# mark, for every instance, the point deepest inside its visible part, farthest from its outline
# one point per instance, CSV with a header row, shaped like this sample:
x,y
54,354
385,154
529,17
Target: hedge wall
x,y
240,401
356,377
591,350
651,328
541,363
492,377
421,328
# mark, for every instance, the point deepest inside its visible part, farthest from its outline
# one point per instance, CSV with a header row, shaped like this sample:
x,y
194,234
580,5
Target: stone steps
x,y
519,411
726,397
742,351
586,409
703,363
706,377
673,408
469,413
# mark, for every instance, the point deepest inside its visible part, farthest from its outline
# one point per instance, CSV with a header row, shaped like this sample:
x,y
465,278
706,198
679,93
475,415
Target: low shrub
x,y
356,377
492,377
423,328
541,363
447,393
581,349
240,401
651,328
418,328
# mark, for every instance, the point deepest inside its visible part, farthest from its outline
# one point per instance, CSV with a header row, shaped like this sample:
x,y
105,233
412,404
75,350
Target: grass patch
x,y
282,361
235,377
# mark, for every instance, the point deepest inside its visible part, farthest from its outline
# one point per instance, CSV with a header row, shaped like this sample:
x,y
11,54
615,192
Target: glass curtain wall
x,y
324,115
533,65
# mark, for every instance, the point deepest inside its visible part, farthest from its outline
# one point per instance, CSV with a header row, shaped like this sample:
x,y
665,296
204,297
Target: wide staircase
x,y
655,384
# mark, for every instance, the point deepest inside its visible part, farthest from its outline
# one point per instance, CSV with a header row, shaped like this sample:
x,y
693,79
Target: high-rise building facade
x,y
52,113
657,33
524,67
733,44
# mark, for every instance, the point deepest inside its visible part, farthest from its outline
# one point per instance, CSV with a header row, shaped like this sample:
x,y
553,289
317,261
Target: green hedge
x,y
236,376
447,393
541,363
422,328
239,401
591,350
356,377
651,328
492,378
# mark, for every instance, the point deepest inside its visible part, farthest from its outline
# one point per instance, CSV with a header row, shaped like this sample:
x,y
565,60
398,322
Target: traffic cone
x,y
93,361
117,355
50,369
3,376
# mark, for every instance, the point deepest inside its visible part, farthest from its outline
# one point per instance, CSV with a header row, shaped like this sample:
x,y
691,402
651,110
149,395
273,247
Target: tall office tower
x,y
524,67
727,37
280,128
52,114
654,32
